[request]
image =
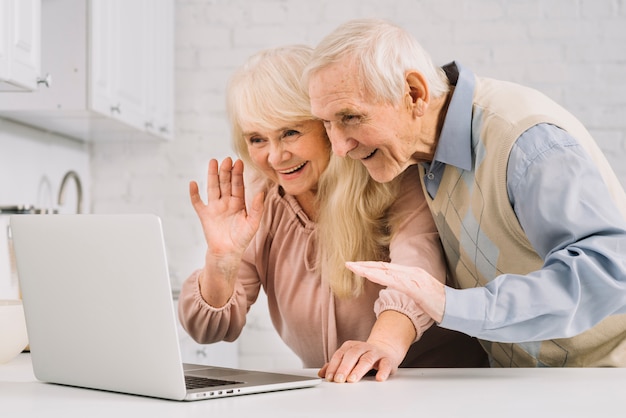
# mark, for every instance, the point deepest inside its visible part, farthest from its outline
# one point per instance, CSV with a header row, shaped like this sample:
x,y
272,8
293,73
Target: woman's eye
x,y
255,140
291,134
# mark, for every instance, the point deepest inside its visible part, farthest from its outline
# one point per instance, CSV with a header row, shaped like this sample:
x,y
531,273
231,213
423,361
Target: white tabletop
x,y
502,393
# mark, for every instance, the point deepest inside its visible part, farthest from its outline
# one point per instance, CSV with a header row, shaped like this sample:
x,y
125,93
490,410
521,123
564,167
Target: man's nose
x,y
341,143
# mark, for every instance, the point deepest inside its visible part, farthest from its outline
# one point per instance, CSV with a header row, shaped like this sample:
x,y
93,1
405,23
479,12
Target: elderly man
x,y
531,217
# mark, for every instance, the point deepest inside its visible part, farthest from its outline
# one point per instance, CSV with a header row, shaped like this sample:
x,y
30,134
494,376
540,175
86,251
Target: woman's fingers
x,y
225,180
225,177
194,195
238,189
255,210
354,359
213,182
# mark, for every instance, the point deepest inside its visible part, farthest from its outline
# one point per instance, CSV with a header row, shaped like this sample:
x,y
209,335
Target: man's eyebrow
x,y
346,111
341,113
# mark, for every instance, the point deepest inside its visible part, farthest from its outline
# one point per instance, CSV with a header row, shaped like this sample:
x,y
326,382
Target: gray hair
x,y
382,53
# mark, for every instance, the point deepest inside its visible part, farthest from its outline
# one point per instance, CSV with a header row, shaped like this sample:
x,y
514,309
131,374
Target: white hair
x,y
382,53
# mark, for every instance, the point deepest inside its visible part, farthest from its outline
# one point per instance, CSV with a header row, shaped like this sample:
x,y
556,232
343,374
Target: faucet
x,y
79,189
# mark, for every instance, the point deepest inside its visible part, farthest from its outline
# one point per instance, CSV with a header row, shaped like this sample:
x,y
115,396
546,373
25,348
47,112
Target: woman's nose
x,y
277,154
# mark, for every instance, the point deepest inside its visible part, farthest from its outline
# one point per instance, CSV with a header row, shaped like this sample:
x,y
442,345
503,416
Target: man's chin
x,y
381,175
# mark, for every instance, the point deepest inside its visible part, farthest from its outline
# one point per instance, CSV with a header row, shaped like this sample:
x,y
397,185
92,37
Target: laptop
x,y
100,314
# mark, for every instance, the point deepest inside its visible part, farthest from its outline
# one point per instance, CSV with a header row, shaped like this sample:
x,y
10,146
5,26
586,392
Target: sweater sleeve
x,y
207,324
415,242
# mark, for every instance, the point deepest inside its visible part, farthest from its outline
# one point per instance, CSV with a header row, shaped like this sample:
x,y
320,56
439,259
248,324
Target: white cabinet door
x,y
100,51
132,55
160,71
20,44
5,31
119,45
112,66
119,50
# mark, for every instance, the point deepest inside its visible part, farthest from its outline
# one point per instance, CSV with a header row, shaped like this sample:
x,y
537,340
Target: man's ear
x,y
417,89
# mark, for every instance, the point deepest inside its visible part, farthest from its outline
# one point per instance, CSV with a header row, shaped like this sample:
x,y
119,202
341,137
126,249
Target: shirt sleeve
x,y
415,242
207,324
569,217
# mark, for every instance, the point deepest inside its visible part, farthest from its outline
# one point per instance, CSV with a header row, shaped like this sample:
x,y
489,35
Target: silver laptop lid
x,y
75,270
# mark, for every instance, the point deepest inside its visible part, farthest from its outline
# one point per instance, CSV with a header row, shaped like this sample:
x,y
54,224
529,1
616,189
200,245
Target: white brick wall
x,y
573,50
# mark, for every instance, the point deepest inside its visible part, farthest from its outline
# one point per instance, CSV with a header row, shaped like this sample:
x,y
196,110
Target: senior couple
x,y
401,214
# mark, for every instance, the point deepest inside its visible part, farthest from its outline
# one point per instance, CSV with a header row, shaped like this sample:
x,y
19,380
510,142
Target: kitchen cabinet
x,y
160,112
20,44
112,69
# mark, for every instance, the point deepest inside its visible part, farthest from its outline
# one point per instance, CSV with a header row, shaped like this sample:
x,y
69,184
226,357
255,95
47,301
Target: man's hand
x,y
427,292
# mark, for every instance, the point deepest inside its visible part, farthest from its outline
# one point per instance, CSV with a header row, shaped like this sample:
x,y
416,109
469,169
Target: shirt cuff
x,y
391,300
204,304
465,310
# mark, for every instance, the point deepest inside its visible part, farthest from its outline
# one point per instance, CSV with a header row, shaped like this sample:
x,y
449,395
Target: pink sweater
x,y
309,319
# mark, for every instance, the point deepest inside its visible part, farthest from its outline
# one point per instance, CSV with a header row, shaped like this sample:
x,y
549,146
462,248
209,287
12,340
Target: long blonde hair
x,y
352,225
353,222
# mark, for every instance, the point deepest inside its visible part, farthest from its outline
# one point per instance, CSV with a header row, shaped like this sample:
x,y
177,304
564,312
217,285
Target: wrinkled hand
x,y
427,292
355,358
228,225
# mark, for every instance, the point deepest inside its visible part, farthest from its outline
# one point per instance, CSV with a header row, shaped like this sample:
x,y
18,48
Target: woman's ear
x,y
417,91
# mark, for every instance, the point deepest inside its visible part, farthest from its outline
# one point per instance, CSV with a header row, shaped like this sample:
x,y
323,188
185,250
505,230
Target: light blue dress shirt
x,y
570,219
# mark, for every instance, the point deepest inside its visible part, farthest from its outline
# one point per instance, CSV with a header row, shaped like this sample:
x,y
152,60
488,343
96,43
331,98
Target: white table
x,y
428,393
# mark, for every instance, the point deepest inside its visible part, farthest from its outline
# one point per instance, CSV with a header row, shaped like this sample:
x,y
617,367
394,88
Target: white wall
x,y
32,166
573,50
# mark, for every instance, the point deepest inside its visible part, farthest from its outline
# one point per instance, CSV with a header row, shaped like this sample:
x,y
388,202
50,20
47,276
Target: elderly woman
x,y
310,213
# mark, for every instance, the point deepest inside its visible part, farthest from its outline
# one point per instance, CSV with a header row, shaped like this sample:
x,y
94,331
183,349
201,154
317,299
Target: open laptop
x,y
100,314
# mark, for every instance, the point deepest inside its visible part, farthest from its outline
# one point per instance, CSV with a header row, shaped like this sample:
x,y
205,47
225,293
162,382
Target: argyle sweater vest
x,y
480,233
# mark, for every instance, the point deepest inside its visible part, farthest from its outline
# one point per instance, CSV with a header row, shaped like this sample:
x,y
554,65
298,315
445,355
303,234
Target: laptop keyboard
x,y
194,382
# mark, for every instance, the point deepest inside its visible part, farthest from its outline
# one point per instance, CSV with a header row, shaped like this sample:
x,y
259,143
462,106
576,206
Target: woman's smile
x,y
292,169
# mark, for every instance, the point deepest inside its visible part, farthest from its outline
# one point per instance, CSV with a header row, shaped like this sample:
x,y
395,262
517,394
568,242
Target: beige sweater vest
x,y
471,204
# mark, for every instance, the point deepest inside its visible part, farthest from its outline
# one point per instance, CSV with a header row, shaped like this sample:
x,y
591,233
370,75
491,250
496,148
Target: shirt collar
x,y
455,142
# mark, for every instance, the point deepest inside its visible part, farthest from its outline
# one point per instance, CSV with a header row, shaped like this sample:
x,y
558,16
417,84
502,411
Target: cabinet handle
x,y
47,80
149,125
163,129
116,109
